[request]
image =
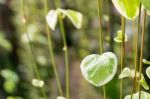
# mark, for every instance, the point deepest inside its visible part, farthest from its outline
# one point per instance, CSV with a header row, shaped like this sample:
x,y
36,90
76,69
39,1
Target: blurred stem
x,y
65,49
122,53
136,52
141,52
101,36
32,51
50,47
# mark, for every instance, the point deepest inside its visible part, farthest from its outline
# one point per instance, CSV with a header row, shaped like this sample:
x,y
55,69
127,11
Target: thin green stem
x,y
141,52
100,37
50,47
65,49
32,51
122,53
136,52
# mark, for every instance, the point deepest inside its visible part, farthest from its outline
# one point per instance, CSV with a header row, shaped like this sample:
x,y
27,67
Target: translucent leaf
x,y
38,83
144,95
60,97
143,83
75,17
128,9
148,72
146,61
52,18
146,4
99,69
125,73
119,37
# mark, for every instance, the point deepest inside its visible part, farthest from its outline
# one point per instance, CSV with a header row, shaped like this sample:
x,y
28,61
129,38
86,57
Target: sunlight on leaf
x,y
52,18
75,17
148,72
125,73
60,97
119,37
144,95
99,69
37,83
128,9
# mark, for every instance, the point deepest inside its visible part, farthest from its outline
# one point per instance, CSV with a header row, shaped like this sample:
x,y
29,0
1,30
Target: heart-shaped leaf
x,y
125,73
128,9
99,69
148,72
146,4
52,18
75,17
144,95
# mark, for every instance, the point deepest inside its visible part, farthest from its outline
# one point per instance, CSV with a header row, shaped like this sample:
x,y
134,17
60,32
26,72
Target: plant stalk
x,y
122,53
51,53
141,52
65,49
100,37
32,51
136,53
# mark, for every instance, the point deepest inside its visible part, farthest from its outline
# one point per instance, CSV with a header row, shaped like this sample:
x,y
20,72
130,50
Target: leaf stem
x,y
32,51
141,52
136,52
122,53
100,37
65,49
50,47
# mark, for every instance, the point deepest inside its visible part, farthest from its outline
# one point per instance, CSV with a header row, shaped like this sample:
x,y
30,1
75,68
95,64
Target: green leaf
x,y
99,69
146,62
10,75
119,37
51,19
146,4
125,73
75,17
144,95
9,86
148,72
143,83
128,9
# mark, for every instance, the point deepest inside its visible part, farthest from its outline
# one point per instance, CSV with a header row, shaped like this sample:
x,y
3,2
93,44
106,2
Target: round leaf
x,y
99,69
128,9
